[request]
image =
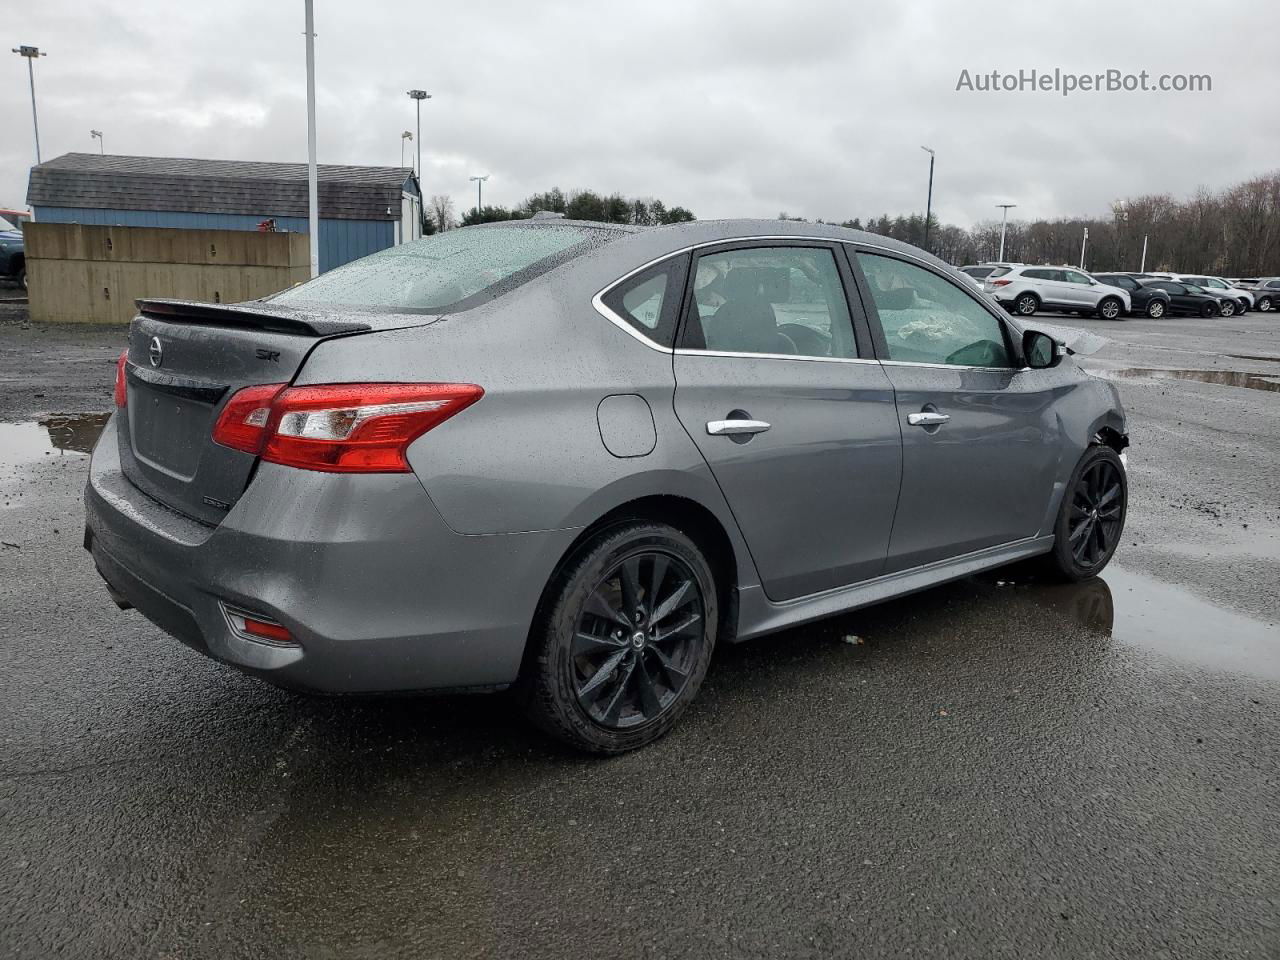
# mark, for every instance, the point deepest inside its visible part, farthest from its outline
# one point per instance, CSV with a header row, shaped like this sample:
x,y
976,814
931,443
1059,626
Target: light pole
x,y
1143,267
1004,222
928,206
97,135
479,182
1084,243
407,135
313,176
419,95
31,53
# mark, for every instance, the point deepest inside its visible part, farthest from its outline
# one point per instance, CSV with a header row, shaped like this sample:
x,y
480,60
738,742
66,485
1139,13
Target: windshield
x,y
11,220
454,269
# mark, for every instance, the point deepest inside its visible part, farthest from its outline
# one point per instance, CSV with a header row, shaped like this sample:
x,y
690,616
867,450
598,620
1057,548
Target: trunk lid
x,y
185,361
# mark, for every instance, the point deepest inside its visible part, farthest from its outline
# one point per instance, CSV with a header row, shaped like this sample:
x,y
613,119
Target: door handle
x,y
927,419
733,428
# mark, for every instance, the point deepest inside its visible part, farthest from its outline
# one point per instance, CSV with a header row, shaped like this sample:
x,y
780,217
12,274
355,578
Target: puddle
x,y
1228,378
1135,610
52,436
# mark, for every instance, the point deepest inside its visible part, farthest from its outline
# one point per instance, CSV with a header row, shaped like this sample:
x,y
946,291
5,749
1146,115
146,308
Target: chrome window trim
x,y
601,308
948,366
689,352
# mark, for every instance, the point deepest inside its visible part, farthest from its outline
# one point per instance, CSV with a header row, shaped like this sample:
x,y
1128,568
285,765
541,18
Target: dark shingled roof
x,y
216,186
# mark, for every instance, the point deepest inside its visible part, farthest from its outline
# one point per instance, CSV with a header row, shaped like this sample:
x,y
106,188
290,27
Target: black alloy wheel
x,y
637,640
1097,513
1091,518
623,638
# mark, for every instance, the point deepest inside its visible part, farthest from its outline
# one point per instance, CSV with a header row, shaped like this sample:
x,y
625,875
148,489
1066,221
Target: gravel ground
x,y
993,768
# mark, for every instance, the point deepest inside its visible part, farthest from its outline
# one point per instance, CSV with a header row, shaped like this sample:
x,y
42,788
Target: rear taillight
x,y
244,419
121,392
339,427
999,283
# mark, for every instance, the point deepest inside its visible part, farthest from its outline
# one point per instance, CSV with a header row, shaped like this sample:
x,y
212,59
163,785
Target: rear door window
x,y
785,301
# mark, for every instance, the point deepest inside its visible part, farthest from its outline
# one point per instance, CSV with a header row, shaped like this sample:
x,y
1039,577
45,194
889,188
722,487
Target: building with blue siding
x,y
362,209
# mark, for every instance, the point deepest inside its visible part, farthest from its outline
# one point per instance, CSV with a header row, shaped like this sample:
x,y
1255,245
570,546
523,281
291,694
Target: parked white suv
x,y
1244,298
1024,290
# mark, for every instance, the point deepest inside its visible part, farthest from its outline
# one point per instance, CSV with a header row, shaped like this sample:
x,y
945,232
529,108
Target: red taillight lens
x,y
121,392
268,631
243,423
1000,283
339,427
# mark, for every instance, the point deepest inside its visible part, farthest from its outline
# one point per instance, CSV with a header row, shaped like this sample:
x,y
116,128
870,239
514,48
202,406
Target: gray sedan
x,y
571,458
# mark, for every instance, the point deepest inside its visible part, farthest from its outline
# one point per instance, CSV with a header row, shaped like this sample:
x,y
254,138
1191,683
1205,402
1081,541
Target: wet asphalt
x,y
993,768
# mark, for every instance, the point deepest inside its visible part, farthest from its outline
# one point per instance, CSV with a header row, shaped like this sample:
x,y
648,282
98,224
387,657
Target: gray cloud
x,y
742,109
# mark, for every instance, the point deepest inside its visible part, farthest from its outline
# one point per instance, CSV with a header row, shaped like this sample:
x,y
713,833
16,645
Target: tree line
x,y
575,205
1230,232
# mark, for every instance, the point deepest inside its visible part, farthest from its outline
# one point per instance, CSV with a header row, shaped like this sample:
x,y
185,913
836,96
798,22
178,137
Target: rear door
x,y
780,393
980,440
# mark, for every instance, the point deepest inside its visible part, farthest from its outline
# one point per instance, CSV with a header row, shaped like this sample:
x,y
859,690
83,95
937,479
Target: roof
x,y
217,186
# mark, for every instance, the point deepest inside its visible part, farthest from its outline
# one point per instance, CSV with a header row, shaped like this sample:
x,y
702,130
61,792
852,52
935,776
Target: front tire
x,y
1228,308
1265,304
1091,519
1242,306
1155,309
1110,308
624,639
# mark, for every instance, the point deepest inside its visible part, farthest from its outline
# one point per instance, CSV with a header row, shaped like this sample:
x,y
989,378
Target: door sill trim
x,y
758,615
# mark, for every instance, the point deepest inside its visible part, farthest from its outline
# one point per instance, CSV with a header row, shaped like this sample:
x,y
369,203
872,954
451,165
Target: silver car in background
x,y
571,458
1024,290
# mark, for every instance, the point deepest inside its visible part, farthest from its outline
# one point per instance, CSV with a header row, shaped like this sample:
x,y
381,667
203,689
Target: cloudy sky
x,y
742,108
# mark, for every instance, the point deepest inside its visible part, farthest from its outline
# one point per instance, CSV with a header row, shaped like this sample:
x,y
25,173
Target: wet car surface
x,y
996,767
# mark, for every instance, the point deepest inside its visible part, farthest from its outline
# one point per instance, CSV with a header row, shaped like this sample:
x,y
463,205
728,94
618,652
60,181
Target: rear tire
x,y
1026,304
1091,519
1155,309
1110,308
22,278
1265,304
1208,310
610,666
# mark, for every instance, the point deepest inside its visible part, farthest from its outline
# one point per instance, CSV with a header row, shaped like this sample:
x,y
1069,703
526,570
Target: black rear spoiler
x,y
254,315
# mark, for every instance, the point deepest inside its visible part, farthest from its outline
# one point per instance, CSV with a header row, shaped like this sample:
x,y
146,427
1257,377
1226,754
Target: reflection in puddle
x,y
1228,378
54,435
1139,611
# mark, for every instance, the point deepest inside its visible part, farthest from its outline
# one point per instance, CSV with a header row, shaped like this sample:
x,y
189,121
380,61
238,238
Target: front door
x,y
980,440
796,422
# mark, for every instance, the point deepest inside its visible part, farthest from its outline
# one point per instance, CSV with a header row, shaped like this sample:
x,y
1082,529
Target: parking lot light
x,y
1004,222
928,205
31,53
97,135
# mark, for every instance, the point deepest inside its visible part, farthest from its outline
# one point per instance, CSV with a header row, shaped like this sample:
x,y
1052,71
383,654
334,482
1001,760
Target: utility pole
x,y
419,96
479,182
928,206
313,176
1004,222
31,53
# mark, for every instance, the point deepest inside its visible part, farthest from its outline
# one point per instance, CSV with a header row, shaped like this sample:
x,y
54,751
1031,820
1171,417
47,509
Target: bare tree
x,y
441,212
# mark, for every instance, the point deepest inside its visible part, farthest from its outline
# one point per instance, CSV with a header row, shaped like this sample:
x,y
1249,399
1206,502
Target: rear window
x,y
997,272
457,269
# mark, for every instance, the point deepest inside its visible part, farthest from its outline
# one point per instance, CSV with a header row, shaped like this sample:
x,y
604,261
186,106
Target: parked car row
x,y
1025,289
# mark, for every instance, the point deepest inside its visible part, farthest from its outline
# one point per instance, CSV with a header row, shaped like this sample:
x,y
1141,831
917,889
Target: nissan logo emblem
x,y
156,352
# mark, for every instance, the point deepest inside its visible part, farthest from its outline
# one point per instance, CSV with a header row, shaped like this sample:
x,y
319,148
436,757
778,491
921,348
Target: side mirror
x,y
1041,350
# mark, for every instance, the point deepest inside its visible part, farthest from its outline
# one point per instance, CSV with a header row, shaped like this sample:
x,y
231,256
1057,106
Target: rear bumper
x,y
378,592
